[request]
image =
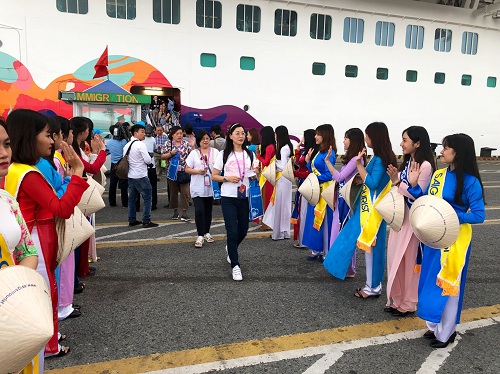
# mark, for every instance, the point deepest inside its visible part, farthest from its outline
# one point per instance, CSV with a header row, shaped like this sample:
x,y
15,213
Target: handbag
x,y
71,233
121,167
216,189
172,168
183,177
255,200
91,200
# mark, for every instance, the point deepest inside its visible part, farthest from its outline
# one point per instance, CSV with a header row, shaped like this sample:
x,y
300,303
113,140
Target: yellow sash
x,y
15,176
320,208
5,255
262,179
278,176
453,257
369,218
60,157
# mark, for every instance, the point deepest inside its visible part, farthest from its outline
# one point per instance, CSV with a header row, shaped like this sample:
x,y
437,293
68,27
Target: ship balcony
x,y
467,4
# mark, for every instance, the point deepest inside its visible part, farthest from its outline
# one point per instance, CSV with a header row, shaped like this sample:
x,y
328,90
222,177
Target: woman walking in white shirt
x,y
238,165
199,164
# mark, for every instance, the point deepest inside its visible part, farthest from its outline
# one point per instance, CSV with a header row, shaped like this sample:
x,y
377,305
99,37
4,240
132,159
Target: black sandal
x,y
62,352
359,295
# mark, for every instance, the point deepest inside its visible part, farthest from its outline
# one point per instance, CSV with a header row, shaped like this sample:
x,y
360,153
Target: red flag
x,y
101,68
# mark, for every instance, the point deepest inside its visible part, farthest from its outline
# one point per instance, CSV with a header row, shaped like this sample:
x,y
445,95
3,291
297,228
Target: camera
x,y
121,132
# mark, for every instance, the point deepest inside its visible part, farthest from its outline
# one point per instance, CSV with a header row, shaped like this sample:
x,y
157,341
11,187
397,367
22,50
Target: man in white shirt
x,y
138,181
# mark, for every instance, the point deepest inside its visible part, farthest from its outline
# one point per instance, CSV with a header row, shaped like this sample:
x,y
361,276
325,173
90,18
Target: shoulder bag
x,y
121,167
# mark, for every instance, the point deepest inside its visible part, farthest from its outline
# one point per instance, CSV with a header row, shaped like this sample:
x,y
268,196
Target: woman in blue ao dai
x,y
353,144
375,183
319,217
441,286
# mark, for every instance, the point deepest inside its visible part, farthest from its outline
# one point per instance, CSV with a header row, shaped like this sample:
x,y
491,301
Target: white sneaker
x,y
199,242
237,273
209,238
228,259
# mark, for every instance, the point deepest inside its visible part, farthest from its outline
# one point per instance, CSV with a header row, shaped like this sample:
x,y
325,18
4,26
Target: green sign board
x,y
105,98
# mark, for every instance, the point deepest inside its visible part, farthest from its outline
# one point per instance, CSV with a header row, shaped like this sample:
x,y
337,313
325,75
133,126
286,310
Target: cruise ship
x,y
300,64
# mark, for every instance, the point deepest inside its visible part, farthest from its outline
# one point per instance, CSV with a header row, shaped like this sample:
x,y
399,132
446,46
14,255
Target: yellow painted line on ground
x,y
265,346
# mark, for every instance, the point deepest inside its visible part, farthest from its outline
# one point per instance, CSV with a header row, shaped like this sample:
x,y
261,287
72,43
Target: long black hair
x,y
381,143
282,139
424,151
328,134
310,142
54,128
266,138
229,146
464,162
356,145
78,125
65,126
23,125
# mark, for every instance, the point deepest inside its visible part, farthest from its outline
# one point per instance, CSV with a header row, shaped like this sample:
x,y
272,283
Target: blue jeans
x,y
236,213
136,187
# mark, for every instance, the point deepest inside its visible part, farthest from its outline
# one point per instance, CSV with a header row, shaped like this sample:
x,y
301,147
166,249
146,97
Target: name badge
x,y
242,192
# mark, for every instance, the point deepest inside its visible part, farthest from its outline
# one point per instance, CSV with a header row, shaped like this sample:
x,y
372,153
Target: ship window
x,y
439,78
351,71
414,37
73,6
167,11
469,43
247,63
208,14
384,34
491,82
466,79
285,22
208,60
442,40
248,18
382,73
318,68
321,26
353,30
411,75
123,9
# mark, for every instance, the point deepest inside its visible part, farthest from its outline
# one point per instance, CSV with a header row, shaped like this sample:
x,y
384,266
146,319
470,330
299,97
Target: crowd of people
x,y
44,163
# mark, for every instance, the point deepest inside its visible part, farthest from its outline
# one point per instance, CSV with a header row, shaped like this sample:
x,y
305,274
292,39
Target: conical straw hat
x,y
329,194
71,233
91,200
270,173
392,208
434,221
310,189
349,191
25,317
288,171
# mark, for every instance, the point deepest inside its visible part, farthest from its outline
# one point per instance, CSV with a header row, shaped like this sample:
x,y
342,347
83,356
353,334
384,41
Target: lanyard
x,y
242,175
206,159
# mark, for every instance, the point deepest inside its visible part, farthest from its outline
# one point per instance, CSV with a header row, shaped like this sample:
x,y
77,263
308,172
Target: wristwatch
x,y
224,180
